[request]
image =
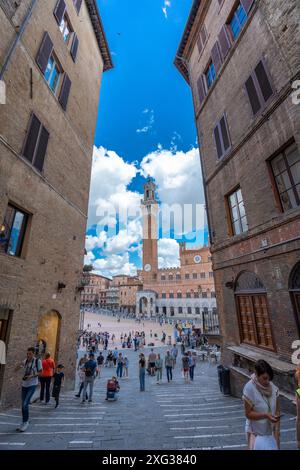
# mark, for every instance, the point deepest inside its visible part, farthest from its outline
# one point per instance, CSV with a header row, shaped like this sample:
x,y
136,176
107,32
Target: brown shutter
x,y
201,89
78,5
59,10
224,41
32,137
64,92
218,141
247,4
41,150
225,134
74,47
253,95
263,81
199,44
203,35
216,57
44,52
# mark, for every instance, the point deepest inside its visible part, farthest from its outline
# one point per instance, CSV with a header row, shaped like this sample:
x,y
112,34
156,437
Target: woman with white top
x,y
262,411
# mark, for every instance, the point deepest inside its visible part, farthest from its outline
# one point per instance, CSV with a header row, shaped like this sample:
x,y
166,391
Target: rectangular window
x,y
163,278
211,274
178,276
189,310
237,21
196,295
171,295
53,74
194,275
259,88
210,75
286,173
213,295
163,295
197,310
237,212
12,231
179,309
187,276
202,275
77,5
179,295
65,29
222,140
36,142
204,295
202,39
171,277
188,295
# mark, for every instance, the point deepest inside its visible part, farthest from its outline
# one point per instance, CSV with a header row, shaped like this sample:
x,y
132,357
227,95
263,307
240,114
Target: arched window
x,y
252,310
294,288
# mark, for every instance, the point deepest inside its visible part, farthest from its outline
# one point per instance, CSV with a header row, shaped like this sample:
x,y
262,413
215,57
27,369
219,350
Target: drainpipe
x,y
17,39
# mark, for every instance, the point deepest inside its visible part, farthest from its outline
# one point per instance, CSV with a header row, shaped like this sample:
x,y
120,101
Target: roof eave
x,y
100,34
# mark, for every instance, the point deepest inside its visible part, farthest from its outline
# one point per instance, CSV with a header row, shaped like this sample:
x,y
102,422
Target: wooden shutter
x,y
41,149
247,4
216,57
224,134
217,137
64,92
59,10
78,5
44,53
253,95
246,319
203,35
262,321
224,42
263,81
32,137
201,89
74,47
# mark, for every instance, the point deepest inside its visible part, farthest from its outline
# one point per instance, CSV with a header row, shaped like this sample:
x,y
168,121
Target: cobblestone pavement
x,y
167,416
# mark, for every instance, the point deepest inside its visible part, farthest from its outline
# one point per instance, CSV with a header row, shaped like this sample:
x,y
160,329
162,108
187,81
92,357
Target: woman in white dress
x,y
262,410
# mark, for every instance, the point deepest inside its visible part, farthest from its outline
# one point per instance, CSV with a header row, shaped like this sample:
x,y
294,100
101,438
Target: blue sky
x,y
145,125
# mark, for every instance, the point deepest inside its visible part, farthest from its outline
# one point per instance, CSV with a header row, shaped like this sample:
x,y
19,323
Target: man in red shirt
x,y
45,379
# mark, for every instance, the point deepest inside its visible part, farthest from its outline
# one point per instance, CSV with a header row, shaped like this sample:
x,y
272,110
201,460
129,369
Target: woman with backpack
x,y
91,371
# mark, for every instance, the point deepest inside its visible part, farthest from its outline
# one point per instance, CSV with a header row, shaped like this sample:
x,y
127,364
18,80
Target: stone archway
x,y
48,333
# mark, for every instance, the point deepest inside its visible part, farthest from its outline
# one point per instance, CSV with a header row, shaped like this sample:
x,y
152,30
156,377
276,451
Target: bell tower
x,y
150,210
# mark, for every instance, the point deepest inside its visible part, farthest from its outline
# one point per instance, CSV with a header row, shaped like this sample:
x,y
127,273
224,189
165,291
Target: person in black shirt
x,y
58,380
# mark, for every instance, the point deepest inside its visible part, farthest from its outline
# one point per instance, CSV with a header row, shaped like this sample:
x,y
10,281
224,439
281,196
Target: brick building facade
x,y
186,291
52,55
94,291
241,59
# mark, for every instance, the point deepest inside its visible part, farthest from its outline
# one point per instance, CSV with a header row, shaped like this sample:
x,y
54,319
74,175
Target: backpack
x,y
111,385
88,372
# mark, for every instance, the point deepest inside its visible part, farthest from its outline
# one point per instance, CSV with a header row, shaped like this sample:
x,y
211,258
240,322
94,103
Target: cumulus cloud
x,y
113,265
167,4
149,123
168,253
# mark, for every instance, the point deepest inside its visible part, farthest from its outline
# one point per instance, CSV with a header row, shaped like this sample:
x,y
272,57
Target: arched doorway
x,y
143,306
48,333
252,311
294,288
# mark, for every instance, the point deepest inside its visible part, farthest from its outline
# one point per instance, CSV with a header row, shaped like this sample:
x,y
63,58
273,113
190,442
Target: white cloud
x,y
167,4
114,264
125,239
150,121
168,253
95,242
89,258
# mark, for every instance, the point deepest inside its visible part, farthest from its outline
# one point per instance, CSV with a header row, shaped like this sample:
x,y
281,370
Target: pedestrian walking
x,y
142,372
81,375
125,367
159,368
91,371
82,361
58,382
32,369
174,352
192,364
169,362
297,376
261,401
151,361
100,362
45,378
185,367
120,365
115,356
